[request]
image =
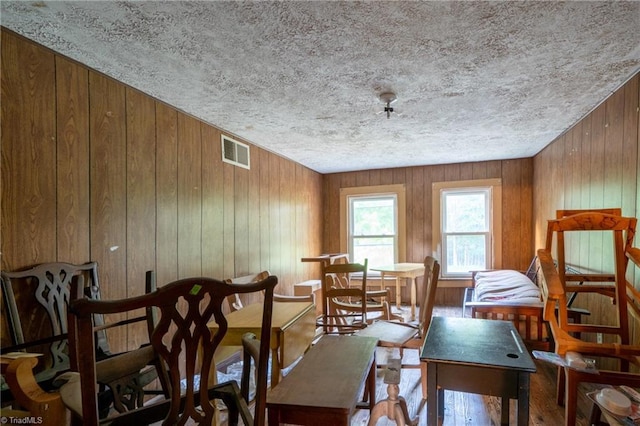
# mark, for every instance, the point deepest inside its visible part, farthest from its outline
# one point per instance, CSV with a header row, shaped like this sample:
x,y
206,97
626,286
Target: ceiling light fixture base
x,y
388,98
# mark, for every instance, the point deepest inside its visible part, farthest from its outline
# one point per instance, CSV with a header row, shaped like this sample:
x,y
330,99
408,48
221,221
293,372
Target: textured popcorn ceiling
x,y
474,80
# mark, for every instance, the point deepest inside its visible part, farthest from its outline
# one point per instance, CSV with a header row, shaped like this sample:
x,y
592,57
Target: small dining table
x,y
408,271
293,328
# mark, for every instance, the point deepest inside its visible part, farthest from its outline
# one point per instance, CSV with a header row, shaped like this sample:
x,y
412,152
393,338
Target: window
x,y
372,224
467,217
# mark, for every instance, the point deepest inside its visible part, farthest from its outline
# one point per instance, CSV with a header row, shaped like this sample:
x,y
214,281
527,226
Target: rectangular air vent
x,y
234,152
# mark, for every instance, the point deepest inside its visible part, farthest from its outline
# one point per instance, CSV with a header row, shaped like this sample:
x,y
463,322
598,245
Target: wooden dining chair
x,y
36,301
235,301
346,301
182,341
394,334
557,284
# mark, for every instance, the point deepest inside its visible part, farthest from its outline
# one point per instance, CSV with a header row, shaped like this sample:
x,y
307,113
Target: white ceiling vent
x,y
234,152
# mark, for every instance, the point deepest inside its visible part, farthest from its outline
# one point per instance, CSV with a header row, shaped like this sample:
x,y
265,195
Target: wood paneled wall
x,y
95,170
595,164
517,225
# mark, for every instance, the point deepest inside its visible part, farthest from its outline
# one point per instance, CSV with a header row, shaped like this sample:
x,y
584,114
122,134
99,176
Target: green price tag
x,y
195,289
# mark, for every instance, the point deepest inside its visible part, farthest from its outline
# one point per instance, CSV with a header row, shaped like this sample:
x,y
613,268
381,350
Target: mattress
x,y
505,286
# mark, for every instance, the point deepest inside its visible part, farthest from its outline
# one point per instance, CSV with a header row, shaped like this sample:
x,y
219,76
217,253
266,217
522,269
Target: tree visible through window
x,y
467,231
373,224
373,230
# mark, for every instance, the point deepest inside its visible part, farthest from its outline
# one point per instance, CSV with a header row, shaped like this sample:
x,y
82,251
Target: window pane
x,y
373,216
465,212
465,253
379,251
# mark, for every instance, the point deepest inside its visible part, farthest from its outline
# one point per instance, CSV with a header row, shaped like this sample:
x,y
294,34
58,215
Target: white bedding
x,y
505,285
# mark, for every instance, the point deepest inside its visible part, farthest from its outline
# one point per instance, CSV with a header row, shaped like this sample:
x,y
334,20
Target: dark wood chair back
x,y
36,301
235,302
184,343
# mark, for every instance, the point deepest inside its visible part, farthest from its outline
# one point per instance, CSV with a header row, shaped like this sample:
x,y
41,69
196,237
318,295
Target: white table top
x,y
400,267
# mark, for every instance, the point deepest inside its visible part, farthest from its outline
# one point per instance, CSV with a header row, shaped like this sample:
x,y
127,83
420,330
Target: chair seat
x,y
388,332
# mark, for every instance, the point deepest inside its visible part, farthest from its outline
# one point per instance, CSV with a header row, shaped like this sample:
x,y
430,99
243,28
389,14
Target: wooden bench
x,y
325,387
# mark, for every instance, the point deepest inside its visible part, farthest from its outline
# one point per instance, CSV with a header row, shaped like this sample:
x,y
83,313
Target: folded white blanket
x,y
504,284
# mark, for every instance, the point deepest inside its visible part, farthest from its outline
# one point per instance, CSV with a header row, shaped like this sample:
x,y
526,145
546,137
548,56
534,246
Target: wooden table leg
x,y
398,287
504,410
371,384
273,415
414,286
523,398
432,394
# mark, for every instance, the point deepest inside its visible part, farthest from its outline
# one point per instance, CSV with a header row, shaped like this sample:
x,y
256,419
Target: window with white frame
x,y
467,218
373,224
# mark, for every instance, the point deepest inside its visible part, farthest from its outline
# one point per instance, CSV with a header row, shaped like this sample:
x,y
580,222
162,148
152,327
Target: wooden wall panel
x,y
630,148
583,179
287,222
108,153
28,140
614,147
141,201
72,183
241,222
108,182
275,263
212,203
141,196
166,192
28,148
229,221
301,217
189,197
415,228
254,207
264,192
